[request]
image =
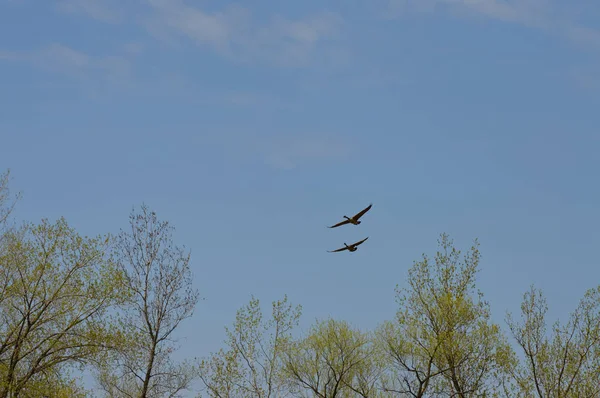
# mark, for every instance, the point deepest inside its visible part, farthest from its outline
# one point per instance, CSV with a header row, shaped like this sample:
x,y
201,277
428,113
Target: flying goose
x,y
353,247
354,218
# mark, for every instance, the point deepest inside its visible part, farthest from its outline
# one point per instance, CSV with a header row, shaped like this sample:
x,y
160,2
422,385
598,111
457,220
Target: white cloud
x,y
133,48
57,55
583,35
290,152
249,99
66,60
289,42
9,56
175,18
96,9
525,11
548,15
586,78
230,30
233,32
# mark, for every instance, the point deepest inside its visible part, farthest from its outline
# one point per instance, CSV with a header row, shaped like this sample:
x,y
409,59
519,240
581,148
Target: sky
x,y
251,126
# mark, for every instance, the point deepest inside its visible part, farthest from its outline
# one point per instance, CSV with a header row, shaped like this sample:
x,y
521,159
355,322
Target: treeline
x,y
106,304
111,305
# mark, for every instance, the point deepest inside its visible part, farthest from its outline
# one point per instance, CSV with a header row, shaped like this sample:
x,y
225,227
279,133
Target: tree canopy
x,y
112,306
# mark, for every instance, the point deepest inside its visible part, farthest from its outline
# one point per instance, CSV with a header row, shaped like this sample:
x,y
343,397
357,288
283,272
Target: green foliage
x,y
67,305
443,341
333,360
566,363
56,290
55,385
159,281
6,204
252,365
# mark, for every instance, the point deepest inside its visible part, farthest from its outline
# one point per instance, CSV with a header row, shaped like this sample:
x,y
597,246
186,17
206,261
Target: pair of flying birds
x,y
351,220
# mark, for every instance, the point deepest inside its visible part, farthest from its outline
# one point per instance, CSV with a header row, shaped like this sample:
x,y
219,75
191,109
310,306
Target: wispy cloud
x,y
101,10
173,20
233,32
285,150
68,60
96,70
293,151
566,20
586,78
584,35
9,56
547,15
250,99
133,48
292,42
62,59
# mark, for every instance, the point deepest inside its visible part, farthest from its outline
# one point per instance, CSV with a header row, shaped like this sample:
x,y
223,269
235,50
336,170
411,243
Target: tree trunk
x,y
144,392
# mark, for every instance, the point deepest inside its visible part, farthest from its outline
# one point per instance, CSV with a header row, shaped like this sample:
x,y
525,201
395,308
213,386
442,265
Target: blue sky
x,y
250,126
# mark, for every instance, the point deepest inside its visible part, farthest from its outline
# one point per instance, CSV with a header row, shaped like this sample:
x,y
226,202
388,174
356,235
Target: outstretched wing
x,y
340,223
359,242
338,250
362,212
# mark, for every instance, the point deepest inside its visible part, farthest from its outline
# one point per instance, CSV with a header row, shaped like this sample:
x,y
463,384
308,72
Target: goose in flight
x,y
354,219
353,247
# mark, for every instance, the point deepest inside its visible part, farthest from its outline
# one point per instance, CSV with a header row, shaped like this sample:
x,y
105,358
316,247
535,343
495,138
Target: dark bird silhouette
x,y
354,219
353,247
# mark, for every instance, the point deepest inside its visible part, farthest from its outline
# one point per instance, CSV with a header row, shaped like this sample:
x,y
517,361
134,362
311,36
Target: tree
x,y
443,341
159,279
56,290
568,363
252,366
331,361
411,367
6,205
367,378
59,384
